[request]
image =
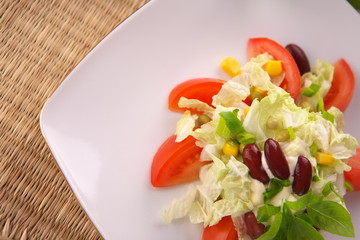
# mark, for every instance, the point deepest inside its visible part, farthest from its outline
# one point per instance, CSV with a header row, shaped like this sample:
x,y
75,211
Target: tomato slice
x,y
223,230
353,176
292,80
202,89
342,86
176,162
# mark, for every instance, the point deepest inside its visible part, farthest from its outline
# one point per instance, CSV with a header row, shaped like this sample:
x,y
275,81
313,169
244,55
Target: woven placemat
x,y
41,41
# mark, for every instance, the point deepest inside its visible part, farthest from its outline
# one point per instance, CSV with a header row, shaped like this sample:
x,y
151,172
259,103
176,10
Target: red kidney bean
x,y
302,176
276,160
300,58
254,229
252,159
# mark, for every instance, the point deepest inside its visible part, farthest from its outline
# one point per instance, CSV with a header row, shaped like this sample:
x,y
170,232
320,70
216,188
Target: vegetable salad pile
x,y
267,146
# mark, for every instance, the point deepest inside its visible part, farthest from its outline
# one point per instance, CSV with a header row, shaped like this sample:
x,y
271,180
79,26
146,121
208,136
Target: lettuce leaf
x,y
237,89
321,75
278,106
202,204
327,137
185,126
196,105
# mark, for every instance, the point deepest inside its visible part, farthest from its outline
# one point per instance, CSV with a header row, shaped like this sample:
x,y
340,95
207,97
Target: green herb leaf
x,y
222,130
329,188
313,149
291,133
320,107
287,218
301,203
232,122
300,229
332,217
311,90
266,211
245,138
355,4
304,217
315,178
275,186
316,199
328,116
284,183
274,228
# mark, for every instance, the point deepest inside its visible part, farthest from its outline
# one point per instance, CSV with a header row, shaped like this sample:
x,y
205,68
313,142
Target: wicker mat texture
x,y
41,41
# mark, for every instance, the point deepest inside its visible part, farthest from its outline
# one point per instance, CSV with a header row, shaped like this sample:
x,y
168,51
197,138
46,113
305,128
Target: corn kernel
x,y
231,66
203,119
273,68
257,93
282,136
324,158
231,148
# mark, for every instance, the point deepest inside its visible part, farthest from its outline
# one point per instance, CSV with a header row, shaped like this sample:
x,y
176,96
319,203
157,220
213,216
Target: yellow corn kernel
x,y
324,158
203,119
231,148
273,68
231,66
257,93
282,136
246,110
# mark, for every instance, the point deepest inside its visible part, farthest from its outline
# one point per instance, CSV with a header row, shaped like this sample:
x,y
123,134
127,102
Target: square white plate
x,y
107,119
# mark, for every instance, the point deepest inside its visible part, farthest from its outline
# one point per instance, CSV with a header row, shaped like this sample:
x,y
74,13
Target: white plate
x,y
107,119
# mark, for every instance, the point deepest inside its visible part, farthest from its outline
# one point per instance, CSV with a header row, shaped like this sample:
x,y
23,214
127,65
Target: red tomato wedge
x,y
342,87
223,230
176,162
353,176
292,81
202,89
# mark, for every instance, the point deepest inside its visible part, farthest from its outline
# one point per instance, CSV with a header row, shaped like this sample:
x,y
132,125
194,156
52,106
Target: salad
x,y
267,147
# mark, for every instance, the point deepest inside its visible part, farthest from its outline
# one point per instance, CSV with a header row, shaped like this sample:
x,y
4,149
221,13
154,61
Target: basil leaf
x,y
299,230
232,122
275,186
287,218
274,228
332,217
316,199
301,203
265,212
304,217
